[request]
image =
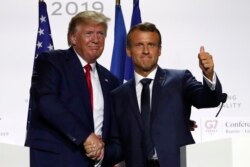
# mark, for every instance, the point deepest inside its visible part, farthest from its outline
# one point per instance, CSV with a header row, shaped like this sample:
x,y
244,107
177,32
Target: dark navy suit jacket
x,y
61,118
174,93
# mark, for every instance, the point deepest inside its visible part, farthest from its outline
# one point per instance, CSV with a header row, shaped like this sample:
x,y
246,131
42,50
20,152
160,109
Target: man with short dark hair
x,y
150,117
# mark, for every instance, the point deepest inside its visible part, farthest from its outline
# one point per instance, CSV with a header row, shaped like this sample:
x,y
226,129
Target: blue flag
x,y
119,49
136,15
135,19
121,65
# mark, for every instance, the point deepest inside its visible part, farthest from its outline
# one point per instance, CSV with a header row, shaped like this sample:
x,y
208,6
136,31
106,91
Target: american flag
x,y
44,40
43,43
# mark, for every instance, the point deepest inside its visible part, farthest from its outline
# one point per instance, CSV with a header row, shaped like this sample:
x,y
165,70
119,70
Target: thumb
x,y
202,49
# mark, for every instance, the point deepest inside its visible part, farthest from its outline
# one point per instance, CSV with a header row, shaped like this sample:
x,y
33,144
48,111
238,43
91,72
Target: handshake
x,y
94,147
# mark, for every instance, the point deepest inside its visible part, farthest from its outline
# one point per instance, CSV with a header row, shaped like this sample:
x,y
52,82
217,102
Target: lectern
x,y
14,156
231,152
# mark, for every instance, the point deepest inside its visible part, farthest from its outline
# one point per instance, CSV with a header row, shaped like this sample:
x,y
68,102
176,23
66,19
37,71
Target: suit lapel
x,y
105,86
159,82
78,78
134,103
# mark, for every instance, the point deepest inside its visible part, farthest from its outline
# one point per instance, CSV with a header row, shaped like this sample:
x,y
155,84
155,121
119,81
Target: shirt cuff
x,y
98,163
211,84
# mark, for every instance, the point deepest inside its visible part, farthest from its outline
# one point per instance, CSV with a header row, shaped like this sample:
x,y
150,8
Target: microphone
x,y
222,99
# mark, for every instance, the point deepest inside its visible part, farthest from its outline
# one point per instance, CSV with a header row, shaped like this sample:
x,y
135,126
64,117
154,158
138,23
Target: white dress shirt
x,y
98,101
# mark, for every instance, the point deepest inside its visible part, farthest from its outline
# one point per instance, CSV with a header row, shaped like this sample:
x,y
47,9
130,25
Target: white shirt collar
x,y
138,77
83,62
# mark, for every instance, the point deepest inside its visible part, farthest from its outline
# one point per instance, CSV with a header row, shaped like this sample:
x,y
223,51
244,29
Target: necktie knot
x,y
87,67
146,81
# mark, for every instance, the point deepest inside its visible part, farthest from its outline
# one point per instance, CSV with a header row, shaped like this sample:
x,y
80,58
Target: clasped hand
x,y
94,147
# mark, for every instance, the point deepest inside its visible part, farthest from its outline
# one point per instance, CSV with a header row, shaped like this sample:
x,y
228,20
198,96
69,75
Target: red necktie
x,y
88,79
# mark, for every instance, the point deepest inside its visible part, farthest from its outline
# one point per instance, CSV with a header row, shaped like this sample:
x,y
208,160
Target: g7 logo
x,y
211,124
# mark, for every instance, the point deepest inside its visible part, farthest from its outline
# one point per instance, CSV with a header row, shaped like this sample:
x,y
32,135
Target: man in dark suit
x,y
70,103
171,95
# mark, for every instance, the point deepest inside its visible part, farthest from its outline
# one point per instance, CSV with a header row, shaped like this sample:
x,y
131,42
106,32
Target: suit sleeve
x,y
51,106
199,94
113,148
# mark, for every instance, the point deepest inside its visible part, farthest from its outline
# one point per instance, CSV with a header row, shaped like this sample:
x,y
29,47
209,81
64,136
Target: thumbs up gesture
x,y
206,63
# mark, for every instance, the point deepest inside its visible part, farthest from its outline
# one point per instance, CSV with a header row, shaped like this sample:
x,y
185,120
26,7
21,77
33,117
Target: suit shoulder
x,y
122,88
104,69
53,55
105,72
175,75
177,72
56,58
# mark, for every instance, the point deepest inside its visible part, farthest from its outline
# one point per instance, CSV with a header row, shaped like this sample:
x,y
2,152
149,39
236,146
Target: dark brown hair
x,y
146,26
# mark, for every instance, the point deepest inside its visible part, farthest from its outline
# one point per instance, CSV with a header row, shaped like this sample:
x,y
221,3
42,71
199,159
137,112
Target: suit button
x,y
71,138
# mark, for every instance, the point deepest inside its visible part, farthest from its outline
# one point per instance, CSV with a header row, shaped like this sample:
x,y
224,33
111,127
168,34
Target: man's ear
x,y
128,52
160,50
72,39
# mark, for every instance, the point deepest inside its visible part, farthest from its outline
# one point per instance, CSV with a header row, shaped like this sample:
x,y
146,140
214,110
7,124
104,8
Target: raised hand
x,y
206,63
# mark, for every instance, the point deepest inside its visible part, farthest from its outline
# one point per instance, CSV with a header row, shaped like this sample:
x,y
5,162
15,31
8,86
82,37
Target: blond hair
x,y
86,17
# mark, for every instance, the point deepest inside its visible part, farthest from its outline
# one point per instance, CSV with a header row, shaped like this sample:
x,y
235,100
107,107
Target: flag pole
x,y
119,49
118,2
